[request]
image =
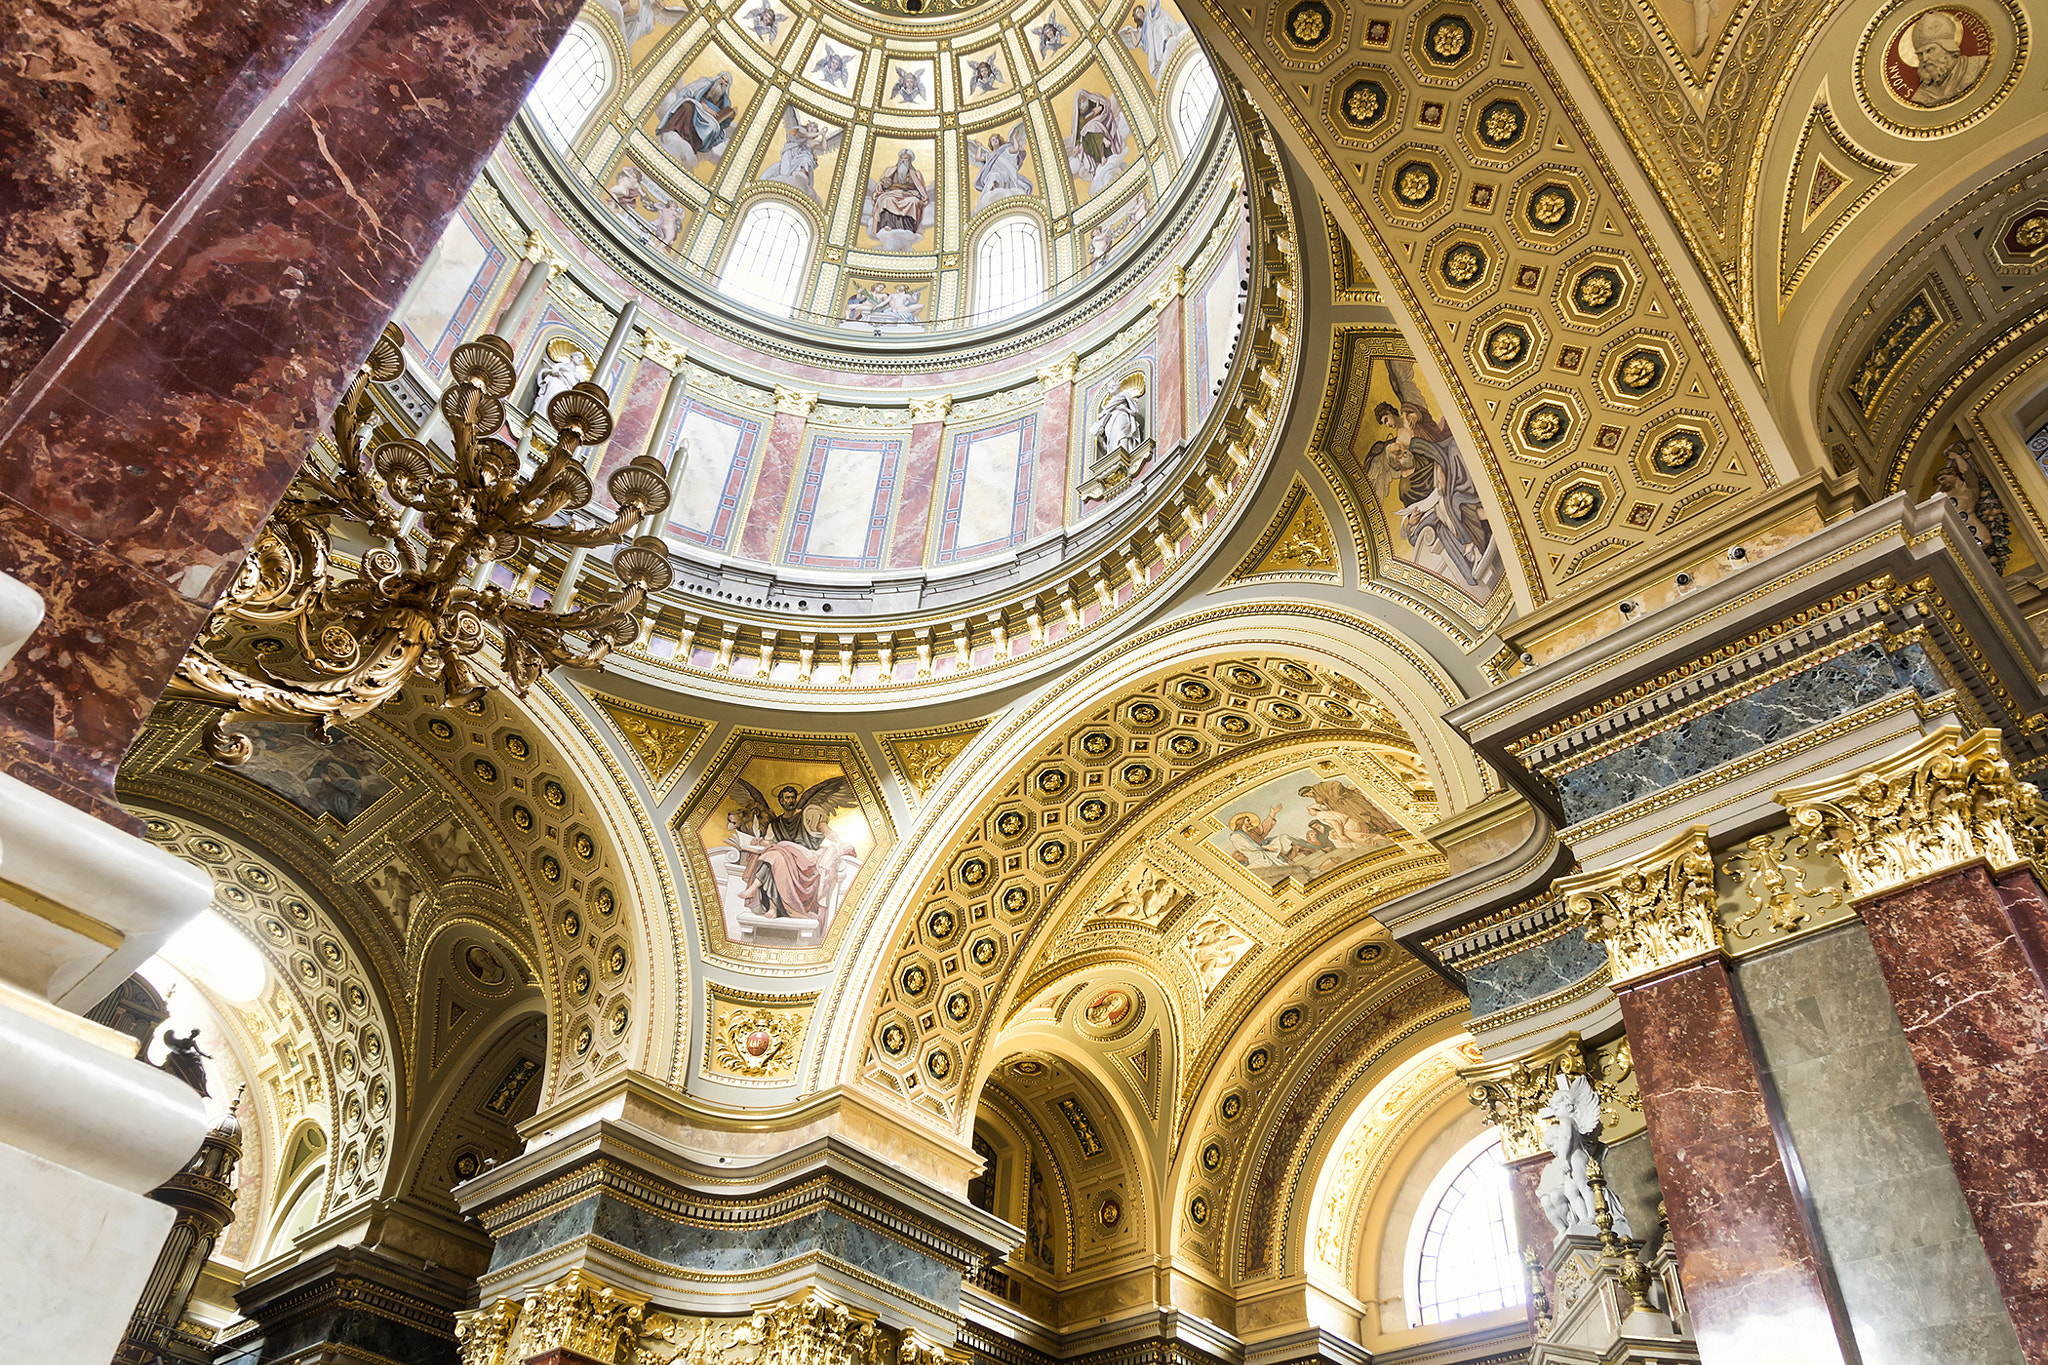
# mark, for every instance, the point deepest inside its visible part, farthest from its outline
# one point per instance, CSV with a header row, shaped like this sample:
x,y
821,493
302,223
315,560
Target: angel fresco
x,y
1427,489
1155,33
803,142
785,862
694,122
833,67
999,167
983,77
1052,35
1095,152
898,208
630,192
638,18
909,86
764,20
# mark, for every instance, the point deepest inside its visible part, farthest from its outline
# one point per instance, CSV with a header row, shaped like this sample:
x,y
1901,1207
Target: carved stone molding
x,y
1514,1092
808,1329
1930,808
795,402
1655,912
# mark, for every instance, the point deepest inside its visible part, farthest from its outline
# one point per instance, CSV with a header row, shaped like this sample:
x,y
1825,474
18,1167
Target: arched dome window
x,y
768,260
1009,269
571,86
1461,1253
1194,98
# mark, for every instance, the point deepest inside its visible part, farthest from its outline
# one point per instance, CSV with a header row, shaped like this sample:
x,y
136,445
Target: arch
x,y
1009,268
769,260
1461,1257
571,87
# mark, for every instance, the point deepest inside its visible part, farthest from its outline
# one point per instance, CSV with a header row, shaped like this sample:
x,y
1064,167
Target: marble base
x,y
75,1253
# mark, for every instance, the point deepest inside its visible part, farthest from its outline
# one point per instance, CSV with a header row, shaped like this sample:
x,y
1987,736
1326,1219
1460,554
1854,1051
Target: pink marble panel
x,y
634,413
771,489
1745,1253
914,500
1955,960
1170,408
1051,479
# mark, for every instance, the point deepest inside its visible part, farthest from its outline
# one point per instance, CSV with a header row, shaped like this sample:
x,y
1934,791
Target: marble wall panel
x,y
1532,973
1905,1254
142,455
1752,1277
1976,1021
1745,725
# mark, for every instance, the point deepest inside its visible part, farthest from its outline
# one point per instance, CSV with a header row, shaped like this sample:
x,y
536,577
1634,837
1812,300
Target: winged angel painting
x,y
784,845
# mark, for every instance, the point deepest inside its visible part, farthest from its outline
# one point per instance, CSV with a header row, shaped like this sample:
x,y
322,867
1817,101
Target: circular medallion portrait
x,y
1108,1009
1937,57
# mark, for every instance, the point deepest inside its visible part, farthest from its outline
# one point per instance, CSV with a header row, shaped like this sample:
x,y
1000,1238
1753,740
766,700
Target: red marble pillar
x,y
635,412
1168,425
1752,1279
1055,434
140,457
921,477
1954,955
773,484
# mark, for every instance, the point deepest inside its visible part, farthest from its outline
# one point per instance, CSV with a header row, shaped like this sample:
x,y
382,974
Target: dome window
x,y
769,255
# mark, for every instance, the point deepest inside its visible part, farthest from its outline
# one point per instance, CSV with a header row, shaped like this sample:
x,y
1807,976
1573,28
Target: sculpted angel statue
x,y
1571,1122
803,142
999,166
563,370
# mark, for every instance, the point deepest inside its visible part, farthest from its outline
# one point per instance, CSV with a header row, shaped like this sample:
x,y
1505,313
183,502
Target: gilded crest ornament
x,y
1937,805
757,1042
422,611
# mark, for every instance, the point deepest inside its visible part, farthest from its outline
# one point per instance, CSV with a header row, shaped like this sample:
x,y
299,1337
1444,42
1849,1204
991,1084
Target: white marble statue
x,y
1571,1124
1119,426
559,374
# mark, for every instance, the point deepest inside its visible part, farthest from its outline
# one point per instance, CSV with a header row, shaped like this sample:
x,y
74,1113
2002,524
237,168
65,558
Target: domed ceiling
x,y
900,143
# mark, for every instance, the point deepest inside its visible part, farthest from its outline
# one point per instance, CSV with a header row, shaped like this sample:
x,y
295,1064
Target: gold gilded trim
x,y
63,916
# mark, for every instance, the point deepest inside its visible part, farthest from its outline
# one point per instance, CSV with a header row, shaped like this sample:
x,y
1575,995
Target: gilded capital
x,y
1169,288
670,355
1654,913
537,247
932,409
1060,372
1514,1092
795,402
578,1313
1936,805
807,1329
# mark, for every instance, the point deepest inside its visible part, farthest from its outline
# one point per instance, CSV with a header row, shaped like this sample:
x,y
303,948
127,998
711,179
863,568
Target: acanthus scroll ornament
x,y
757,1042
1775,885
422,611
1513,1093
1934,806
1654,913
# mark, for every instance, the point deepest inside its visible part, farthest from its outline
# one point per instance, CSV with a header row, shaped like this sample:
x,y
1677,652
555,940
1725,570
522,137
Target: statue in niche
x,y
803,142
564,367
183,1059
999,167
1117,441
1976,502
1571,1124
898,211
1039,1219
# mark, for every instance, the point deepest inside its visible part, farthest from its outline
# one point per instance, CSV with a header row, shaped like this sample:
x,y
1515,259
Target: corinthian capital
x,y
796,402
1934,806
933,409
577,1313
1653,913
1514,1092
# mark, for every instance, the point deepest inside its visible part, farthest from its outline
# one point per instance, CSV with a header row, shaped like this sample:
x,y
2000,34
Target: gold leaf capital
x,y
1653,913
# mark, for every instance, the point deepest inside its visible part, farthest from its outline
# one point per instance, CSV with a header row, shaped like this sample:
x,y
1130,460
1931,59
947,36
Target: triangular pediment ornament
x,y
661,741
919,758
1296,544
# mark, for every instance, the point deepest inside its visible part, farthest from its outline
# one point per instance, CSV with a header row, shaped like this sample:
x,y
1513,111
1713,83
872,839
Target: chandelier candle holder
x,y
421,610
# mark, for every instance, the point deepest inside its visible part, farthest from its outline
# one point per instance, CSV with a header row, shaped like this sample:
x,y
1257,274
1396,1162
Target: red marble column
x,y
1055,434
1168,425
1954,955
772,487
921,476
1745,1253
141,456
636,412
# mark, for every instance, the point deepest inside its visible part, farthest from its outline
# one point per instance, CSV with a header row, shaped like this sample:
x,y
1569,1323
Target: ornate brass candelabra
x,y
412,611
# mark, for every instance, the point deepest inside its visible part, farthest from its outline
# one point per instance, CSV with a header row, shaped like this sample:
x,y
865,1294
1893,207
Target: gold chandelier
x,y
423,611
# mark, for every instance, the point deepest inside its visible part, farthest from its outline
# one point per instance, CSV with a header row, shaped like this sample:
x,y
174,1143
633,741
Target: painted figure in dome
x,y
1153,32
696,120
1419,470
985,76
833,67
766,21
1052,35
899,205
1096,150
909,86
803,142
999,166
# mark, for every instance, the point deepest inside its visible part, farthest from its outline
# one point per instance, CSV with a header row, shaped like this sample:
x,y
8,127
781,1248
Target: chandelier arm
x,y
607,533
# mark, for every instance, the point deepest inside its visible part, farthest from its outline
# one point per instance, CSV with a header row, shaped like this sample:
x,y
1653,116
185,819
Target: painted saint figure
x,y
1935,45
1423,482
695,120
1153,32
999,166
803,142
1095,152
794,866
899,205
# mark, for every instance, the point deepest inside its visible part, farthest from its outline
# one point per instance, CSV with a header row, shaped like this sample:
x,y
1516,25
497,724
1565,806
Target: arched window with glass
x,y
1194,98
770,259
1009,269
571,86
1461,1251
